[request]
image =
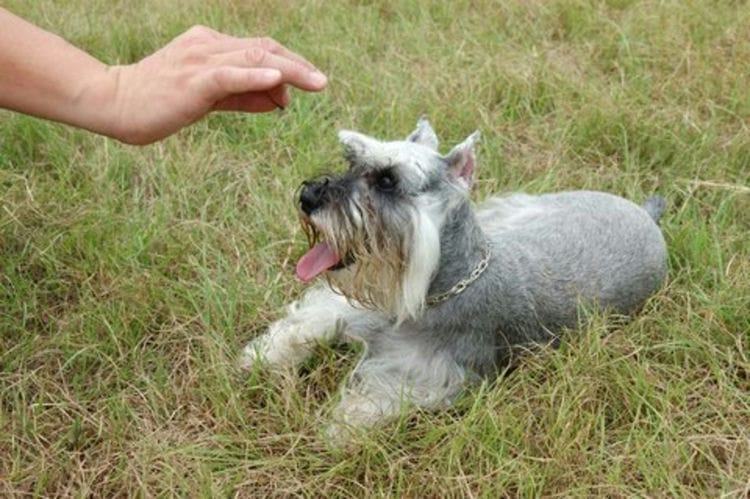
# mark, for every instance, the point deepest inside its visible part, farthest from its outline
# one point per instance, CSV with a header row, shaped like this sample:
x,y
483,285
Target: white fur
x,y
424,135
414,161
396,367
396,370
424,257
317,316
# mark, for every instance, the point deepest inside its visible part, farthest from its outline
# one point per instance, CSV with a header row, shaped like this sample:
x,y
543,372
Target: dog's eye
x,y
386,181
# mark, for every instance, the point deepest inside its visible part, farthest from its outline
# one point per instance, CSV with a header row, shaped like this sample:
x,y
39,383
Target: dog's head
x,y
375,229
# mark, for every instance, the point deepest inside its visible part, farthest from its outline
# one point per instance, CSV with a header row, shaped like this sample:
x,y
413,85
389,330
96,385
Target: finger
x,y
253,102
224,81
276,48
231,43
293,72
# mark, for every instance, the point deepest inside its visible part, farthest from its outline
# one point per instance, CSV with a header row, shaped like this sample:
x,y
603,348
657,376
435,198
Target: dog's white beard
x,y
392,267
424,256
391,276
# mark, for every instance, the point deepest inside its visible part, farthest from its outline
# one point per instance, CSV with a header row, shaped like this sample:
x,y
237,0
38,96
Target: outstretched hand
x,y
201,71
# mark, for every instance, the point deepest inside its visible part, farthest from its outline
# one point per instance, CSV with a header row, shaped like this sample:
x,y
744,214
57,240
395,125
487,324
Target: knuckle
x,y
200,30
267,43
255,56
197,35
193,54
298,68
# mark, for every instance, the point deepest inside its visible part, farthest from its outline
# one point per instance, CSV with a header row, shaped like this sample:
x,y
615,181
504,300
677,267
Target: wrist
x,y
95,103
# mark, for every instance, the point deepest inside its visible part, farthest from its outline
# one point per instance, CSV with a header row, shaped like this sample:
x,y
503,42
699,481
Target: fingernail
x,y
318,79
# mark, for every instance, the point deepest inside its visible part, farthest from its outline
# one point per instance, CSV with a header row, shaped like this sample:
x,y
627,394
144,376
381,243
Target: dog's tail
x,y
655,206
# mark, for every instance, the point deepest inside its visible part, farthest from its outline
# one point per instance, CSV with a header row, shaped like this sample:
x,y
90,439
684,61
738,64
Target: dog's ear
x,y
355,143
424,135
462,161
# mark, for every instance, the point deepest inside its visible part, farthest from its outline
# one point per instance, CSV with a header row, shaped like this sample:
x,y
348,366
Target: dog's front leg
x,y
319,316
395,374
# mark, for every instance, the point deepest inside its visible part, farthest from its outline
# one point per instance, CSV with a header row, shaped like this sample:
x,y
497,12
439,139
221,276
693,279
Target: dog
x,y
441,294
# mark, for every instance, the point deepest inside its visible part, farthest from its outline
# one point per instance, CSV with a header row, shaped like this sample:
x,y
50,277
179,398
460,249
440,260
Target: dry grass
x,y
129,278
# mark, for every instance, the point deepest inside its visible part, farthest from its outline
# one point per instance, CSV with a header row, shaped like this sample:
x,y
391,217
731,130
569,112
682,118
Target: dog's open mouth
x,y
320,258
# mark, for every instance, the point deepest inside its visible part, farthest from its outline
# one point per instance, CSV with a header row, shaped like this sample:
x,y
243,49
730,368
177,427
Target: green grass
x,y
130,277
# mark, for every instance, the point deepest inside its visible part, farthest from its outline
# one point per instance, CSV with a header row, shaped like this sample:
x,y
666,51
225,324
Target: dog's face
x,y
375,229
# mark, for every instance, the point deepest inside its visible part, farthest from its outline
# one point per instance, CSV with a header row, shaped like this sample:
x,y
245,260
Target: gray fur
x,y
550,255
580,247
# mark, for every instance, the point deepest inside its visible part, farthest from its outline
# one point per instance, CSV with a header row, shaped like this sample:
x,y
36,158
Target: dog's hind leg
x,y
319,316
394,374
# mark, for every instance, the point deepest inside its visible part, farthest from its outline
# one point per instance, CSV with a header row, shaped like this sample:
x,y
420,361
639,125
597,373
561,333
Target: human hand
x,y
198,72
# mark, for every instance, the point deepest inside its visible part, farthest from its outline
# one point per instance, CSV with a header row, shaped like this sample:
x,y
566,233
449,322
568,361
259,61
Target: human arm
x,y
198,72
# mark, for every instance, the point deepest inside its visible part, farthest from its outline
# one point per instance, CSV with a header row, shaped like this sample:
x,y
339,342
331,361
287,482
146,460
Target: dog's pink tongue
x,y
316,261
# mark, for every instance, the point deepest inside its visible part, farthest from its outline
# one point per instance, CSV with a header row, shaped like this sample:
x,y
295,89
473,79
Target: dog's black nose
x,y
312,195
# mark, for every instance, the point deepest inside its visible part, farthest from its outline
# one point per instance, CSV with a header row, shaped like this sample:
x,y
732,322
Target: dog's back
x,y
564,248
550,255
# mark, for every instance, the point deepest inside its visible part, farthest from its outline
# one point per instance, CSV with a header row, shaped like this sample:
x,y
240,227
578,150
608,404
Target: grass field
x,y
130,277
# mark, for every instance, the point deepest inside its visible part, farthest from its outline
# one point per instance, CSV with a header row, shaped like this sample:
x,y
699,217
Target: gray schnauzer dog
x,y
439,293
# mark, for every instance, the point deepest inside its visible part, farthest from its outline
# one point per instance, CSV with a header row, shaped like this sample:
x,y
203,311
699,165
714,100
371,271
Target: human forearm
x,y
43,75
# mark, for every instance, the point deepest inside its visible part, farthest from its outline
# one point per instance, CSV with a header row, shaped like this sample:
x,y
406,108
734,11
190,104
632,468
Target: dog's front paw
x,y
357,412
340,435
281,348
253,354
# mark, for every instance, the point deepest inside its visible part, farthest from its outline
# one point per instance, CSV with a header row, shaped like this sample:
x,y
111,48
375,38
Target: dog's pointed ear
x,y
355,143
424,135
461,161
